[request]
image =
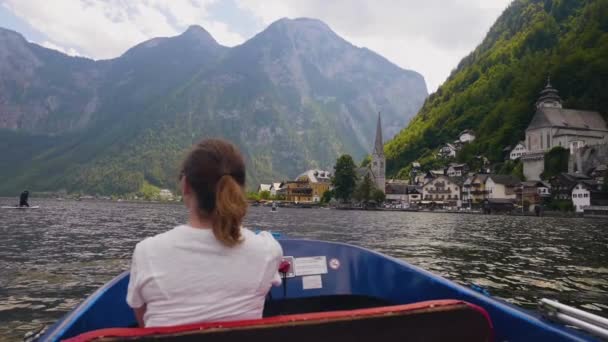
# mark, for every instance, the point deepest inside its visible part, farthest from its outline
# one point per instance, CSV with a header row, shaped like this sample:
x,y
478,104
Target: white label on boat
x,y
312,282
310,265
334,264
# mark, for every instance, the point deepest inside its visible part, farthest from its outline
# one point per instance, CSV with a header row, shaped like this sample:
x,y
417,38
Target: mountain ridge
x,y
289,102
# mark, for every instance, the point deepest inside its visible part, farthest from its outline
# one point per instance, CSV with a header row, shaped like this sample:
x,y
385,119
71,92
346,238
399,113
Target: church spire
x,y
378,146
549,97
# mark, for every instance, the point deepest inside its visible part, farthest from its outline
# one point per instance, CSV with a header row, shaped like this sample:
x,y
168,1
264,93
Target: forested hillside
x,y
493,90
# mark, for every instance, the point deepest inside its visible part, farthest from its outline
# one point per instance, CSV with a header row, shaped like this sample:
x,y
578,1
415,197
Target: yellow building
x,y
307,187
318,180
296,191
474,189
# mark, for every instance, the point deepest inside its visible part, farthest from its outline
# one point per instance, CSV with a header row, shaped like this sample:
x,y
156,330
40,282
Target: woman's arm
x,y
139,315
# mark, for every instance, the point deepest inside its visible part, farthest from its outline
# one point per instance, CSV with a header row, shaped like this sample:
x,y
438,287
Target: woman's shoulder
x,y
263,240
156,241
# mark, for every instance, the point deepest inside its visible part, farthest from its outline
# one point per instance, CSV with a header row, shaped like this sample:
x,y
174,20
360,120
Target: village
x,y
582,136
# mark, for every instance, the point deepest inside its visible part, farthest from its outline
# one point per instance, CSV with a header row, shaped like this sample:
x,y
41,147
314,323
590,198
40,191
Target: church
x,y
377,166
553,125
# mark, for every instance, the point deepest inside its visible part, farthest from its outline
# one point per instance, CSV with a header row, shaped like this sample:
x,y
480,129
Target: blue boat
x,y
343,281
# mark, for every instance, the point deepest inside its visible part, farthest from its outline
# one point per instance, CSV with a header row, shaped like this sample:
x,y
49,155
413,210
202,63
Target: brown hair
x,y
215,170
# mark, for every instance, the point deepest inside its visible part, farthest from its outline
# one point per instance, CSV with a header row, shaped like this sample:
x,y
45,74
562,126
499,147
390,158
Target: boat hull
x,y
350,271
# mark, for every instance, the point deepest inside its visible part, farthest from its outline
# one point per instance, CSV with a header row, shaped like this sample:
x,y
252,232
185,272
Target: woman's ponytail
x,y
230,209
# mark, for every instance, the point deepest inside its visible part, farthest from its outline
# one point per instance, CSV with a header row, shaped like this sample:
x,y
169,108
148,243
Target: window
x,y
541,140
586,195
548,144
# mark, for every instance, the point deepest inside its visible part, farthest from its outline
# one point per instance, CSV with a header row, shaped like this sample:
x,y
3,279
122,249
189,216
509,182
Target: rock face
x,y
293,97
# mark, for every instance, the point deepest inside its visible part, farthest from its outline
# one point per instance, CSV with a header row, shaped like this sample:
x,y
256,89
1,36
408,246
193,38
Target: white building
x,y
518,151
264,187
456,170
466,136
274,188
442,190
447,151
396,193
581,197
501,187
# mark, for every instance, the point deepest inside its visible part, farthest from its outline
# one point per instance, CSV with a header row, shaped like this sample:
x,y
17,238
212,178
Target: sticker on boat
x,y
312,282
310,265
334,264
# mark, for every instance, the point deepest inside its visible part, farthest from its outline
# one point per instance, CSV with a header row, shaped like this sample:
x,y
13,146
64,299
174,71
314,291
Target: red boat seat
x,y
438,320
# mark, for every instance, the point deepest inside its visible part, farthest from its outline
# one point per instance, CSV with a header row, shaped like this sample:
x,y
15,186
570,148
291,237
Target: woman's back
x,y
186,275
210,269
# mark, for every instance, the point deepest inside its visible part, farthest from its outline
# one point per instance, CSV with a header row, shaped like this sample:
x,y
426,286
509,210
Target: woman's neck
x,y
195,221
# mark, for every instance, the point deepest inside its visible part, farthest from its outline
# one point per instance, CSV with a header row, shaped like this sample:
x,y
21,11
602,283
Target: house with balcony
x,y
442,191
474,190
318,180
533,193
297,191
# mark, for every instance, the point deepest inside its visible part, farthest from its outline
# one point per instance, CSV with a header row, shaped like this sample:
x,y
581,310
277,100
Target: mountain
x,y
493,90
293,97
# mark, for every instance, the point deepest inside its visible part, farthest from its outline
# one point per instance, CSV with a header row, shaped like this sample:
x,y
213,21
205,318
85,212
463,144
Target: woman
x,y
210,269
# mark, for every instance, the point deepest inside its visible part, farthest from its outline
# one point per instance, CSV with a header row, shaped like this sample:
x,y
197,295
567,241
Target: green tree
x,y
345,178
556,162
265,195
365,189
366,161
327,196
518,171
378,196
253,196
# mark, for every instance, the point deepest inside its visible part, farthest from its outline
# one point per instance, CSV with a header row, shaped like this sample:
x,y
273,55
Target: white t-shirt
x,y
187,276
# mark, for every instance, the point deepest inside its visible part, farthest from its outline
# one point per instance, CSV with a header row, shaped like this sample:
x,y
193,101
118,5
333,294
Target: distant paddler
x,y
23,199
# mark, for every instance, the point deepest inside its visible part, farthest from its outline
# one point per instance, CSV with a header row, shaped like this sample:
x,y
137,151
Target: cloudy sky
x,y
429,36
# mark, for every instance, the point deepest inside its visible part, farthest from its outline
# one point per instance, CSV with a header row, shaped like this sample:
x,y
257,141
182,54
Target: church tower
x,y
549,97
378,164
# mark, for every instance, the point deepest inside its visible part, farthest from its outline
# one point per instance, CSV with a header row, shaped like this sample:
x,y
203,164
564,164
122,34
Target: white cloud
x,y
428,36
106,29
68,51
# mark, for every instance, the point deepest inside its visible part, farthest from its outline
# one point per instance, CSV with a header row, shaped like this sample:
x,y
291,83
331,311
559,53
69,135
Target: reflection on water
x,y
51,258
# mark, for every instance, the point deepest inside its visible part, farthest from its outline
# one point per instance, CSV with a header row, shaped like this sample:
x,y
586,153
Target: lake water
x,y
52,257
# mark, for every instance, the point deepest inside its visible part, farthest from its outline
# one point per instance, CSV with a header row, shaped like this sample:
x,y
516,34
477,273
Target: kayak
x,y
18,207
346,293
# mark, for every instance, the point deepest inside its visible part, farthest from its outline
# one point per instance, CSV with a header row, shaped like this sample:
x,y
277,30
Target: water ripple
x,y
51,258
